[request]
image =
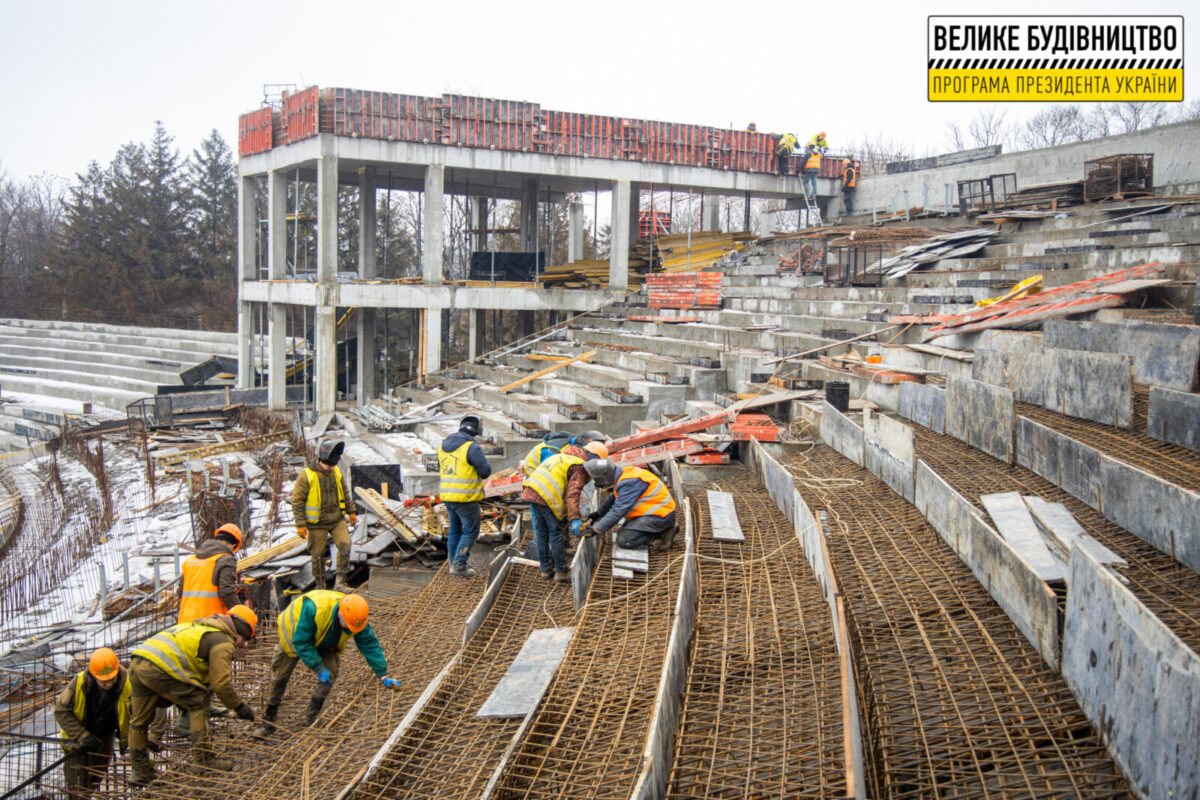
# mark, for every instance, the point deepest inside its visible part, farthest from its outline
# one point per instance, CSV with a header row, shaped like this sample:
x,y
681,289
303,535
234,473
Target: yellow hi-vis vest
x,y
787,143
550,481
460,482
175,652
655,500
200,597
534,458
312,506
80,708
326,604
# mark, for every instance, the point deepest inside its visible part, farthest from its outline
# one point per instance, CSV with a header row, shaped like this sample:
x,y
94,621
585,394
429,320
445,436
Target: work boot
x,y
183,725
462,571
562,575
547,574
204,755
314,710
340,585
663,541
265,728
143,768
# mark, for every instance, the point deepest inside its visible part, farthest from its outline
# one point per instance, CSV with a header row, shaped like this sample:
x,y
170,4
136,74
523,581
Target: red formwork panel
x,y
833,166
254,132
299,115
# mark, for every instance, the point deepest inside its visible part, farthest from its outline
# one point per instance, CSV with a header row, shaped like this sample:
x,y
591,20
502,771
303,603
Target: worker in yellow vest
x,y
91,710
819,143
553,492
315,628
553,443
849,182
640,498
787,143
462,470
321,503
181,666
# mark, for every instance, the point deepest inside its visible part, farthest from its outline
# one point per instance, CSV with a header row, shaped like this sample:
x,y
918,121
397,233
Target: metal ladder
x,y
813,212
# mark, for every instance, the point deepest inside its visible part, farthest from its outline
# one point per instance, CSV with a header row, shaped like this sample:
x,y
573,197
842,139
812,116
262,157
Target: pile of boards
x,y
588,273
682,252
923,255
685,290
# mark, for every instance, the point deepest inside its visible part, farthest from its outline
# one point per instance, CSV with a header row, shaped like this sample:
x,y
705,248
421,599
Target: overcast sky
x,y
82,78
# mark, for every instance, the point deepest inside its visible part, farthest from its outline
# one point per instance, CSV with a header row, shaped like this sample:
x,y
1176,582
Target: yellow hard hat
x,y
353,610
246,615
104,664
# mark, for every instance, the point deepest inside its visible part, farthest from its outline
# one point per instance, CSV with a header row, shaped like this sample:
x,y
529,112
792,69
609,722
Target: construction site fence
x,y
509,125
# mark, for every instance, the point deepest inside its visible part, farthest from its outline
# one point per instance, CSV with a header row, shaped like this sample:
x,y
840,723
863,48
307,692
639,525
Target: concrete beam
x,y
415,296
431,225
247,270
575,232
619,236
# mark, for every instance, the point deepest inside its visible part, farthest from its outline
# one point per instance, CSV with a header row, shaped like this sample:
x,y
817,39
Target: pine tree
x,y
212,197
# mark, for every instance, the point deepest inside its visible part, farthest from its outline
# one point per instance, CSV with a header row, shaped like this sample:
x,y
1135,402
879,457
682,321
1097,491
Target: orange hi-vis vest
x,y
200,597
850,177
814,160
655,501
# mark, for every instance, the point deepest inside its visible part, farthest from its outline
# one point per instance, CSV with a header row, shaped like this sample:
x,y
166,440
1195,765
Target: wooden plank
x,y
250,442
945,352
632,566
374,501
723,517
1058,522
521,689
831,344
546,371
621,572
1016,525
1125,287
282,549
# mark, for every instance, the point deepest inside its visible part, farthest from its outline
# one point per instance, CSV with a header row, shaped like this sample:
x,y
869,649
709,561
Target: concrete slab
x,y
1095,386
1057,522
1160,513
1174,417
1163,355
1014,522
1020,372
980,415
723,518
923,404
522,687
1068,464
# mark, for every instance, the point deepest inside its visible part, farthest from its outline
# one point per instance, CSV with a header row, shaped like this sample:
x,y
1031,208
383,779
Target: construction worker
x,y
640,498
553,493
181,666
812,168
463,468
90,711
553,443
321,502
849,181
787,143
751,127
314,628
819,143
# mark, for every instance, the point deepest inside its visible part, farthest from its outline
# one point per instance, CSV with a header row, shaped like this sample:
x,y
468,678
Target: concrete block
x,y
1161,513
924,405
1163,355
841,434
1015,587
1136,681
1095,386
1174,417
1068,464
980,415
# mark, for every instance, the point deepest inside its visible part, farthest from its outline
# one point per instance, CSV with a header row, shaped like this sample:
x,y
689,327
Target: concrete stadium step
x,y
109,397
22,428
541,406
169,357
101,366
67,375
1041,246
198,342
1100,261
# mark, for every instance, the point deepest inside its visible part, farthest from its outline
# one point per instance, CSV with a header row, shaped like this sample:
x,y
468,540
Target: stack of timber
x,y
682,252
1047,196
685,290
588,273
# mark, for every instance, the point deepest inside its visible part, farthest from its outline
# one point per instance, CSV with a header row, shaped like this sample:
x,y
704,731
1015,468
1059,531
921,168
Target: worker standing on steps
x,y
553,492
787,143
314,629
90,711
812,168
640,498
180,666
321,501
462,468
849,182
553,443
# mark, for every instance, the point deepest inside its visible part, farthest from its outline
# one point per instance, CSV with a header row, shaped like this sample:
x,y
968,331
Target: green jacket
x,y
308,649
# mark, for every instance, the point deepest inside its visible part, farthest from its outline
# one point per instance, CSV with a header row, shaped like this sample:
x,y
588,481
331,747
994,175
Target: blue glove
x,y
324,677
391,683
576,524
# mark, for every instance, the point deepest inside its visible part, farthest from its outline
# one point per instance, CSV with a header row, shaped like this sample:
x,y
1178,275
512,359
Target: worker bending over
x,y
322,500
787,143
553,492
90,711
819,143
640,498
315,628
180,666
553,443
462,470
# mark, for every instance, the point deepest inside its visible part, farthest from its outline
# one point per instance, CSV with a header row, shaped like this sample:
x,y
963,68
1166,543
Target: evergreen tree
x,y
166,207
212,196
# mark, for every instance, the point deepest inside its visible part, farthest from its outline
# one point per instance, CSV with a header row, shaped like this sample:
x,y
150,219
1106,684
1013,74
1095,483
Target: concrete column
x,y
746,214
712,213
635,207
367,269
325,360
325,333
247,249
479,219
529,216
277,312
431,223
618,244
433,339
574,231
327,206
475,324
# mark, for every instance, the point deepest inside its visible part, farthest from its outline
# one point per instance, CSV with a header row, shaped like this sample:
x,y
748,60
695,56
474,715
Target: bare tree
x,y
876,152
1053,126
1130,116
1189,110
12,201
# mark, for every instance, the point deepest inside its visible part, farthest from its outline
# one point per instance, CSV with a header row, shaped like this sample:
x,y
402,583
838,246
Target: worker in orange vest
x,y
640,498
812,168
849,181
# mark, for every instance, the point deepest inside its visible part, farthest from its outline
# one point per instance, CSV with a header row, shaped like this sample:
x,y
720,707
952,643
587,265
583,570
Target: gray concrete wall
x,y
1174,417
1078,383
1163,355
1176,150
841,434
980,415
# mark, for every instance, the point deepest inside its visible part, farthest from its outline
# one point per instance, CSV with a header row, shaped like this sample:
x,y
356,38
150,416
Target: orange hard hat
x,y
353,610
232,530
597,449
104,664
821,134
246,615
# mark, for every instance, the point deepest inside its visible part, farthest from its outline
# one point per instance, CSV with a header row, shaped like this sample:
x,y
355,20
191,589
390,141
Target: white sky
x,y
78,79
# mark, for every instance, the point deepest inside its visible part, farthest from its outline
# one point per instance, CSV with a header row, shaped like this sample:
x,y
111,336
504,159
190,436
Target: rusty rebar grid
x,y
587,736
1170,589
762,708
954,701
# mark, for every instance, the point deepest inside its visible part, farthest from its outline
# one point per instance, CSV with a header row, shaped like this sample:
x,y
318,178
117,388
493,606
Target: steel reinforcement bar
x,y
762,711
954,700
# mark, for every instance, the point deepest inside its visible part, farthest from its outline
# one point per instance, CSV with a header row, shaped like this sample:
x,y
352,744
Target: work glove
x,y
244,711
592,517
587,532
302,532
353,520
391,683
90,742
576,524
324,677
